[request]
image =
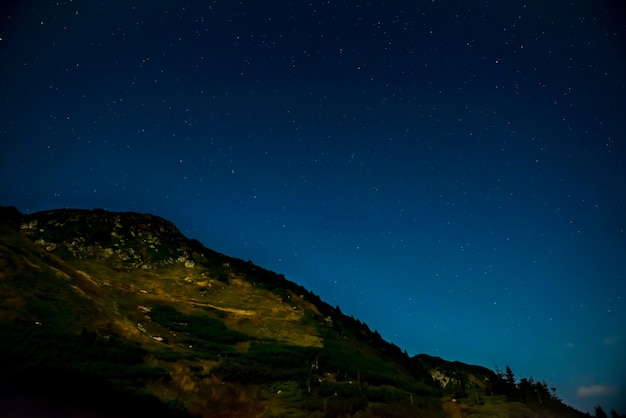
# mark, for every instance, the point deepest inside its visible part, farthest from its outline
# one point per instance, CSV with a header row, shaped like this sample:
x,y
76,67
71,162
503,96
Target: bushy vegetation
x,y
337,379
104,356
104,372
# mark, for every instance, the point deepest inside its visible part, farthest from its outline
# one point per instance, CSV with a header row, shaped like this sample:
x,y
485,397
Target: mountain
x,y
118,314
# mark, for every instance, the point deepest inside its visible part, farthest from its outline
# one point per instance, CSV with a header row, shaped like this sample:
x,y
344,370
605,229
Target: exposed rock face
x,y
128,240
440,377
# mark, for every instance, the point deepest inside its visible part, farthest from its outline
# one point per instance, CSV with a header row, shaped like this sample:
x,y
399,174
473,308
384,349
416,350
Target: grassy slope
x,y
171,320
197,335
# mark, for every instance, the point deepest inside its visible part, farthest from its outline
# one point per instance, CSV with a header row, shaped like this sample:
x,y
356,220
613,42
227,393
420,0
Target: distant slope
x,y
131,312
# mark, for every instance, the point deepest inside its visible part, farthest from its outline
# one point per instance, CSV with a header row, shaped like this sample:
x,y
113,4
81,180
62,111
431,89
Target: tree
x,y
600,412
553,393
509,381
525,389
542,391
509,377
499,374
498,385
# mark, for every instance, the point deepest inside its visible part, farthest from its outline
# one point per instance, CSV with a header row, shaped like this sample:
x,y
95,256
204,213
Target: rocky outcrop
x,y
440,377
128,240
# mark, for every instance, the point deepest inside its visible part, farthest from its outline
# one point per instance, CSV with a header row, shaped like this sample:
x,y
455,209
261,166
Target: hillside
x,y
119,314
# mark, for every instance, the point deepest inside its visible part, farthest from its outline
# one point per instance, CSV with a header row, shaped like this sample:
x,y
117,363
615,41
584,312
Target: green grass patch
x,y
198,327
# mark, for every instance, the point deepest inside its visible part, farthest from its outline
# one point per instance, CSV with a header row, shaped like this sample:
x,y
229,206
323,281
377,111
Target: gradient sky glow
x,y
451,173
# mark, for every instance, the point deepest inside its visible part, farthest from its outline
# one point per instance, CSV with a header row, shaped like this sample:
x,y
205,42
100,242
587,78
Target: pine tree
x,y
525,389
509,381
509,377
499,386
600,412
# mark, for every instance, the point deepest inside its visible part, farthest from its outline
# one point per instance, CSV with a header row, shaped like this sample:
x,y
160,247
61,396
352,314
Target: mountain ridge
x,y
207,334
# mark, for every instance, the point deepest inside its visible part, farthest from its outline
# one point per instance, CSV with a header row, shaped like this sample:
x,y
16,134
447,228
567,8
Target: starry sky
x,y
451,173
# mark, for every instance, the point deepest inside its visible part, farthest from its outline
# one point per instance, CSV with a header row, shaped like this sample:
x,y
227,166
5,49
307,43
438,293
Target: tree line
x,y
531,391
526,390
599,413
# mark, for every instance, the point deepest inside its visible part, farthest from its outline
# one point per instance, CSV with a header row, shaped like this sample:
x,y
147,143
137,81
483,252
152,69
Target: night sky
x,y
451,173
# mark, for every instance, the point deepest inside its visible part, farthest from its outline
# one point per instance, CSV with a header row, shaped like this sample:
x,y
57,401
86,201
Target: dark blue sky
x,y
451,173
